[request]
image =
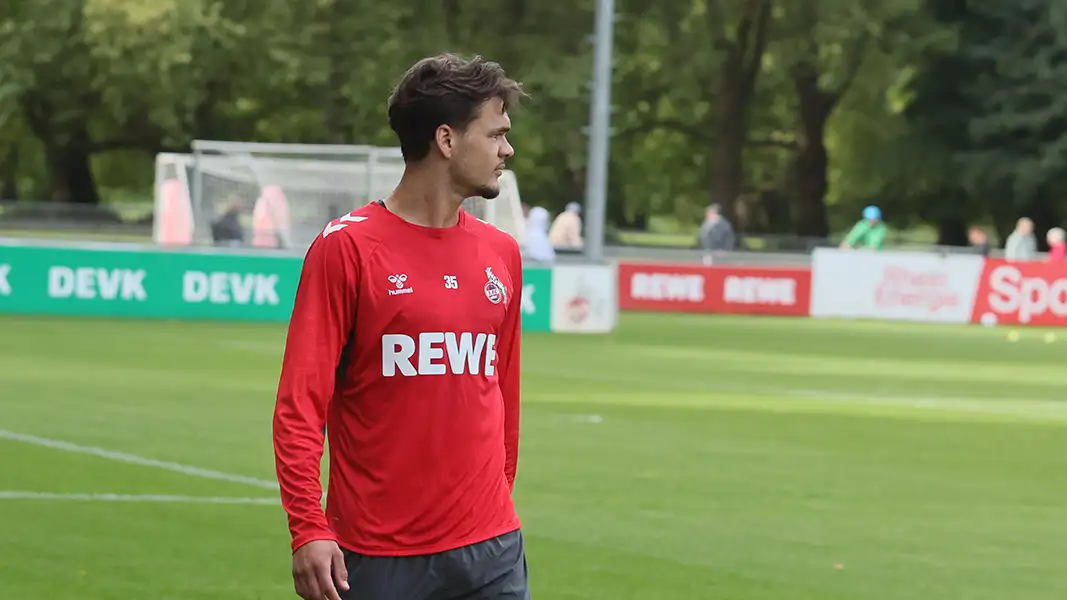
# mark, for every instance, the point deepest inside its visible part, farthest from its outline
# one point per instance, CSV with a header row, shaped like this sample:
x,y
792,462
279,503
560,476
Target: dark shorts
x,y
491,570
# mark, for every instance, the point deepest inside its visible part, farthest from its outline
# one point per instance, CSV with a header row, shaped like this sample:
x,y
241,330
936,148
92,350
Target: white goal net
x,y
504,211
282,195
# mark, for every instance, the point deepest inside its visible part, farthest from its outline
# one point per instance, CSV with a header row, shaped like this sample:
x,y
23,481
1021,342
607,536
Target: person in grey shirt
x,y
1021,244
716,233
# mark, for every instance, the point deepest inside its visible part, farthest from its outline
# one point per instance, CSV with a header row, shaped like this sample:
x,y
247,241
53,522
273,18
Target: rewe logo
x,y
709,289
87,283
1030,298
229,288
667,286
438,353
5,287
760,290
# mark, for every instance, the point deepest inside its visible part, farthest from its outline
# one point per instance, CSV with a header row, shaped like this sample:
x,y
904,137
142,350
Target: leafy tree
x,y
1018,136
692,69
985,132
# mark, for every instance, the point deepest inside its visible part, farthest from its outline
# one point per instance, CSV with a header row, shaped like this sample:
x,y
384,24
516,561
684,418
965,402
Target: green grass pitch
x,y
681,457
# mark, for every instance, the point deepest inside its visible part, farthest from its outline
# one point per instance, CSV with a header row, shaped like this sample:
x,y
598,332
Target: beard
x,y
471,189
488,191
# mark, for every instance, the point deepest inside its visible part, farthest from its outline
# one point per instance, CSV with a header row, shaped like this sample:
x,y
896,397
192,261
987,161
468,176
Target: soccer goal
x,y
282,195
504,211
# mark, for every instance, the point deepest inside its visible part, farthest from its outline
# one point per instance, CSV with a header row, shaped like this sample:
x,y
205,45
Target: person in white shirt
x,y
535,244
566,230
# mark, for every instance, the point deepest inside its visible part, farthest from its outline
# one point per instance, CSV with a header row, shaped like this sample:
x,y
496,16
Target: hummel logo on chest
x,y
399,280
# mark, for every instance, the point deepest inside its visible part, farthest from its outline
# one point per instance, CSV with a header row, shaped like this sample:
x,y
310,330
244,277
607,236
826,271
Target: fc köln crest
x,y
494,288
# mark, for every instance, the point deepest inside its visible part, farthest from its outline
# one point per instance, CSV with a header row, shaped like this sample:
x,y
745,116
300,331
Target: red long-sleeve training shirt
x,y
404,343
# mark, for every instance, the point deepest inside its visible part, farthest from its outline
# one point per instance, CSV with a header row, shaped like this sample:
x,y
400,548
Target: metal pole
x,y
596,182
197,197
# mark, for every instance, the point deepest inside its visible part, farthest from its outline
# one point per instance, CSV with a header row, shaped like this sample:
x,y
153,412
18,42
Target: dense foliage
x,y
790,114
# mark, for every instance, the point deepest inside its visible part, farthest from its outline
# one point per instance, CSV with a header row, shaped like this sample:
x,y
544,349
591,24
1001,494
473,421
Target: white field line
x,y
1040,410
136,460
137,498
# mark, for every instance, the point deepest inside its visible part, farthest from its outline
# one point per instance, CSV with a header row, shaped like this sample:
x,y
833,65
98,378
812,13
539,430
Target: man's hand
x,y
319,570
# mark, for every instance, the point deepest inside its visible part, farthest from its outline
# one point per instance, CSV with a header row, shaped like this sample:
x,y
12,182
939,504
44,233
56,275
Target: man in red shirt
x,y
404,344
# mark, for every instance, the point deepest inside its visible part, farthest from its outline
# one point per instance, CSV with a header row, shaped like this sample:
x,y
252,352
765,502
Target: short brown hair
x,y
444,90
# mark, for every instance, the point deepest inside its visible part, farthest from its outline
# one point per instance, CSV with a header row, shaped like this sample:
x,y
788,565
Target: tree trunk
x,y
775,207
812,161
727,151
9,190
70,170
336,109
738,71
810,193
952,231
616,213
9,176
451,20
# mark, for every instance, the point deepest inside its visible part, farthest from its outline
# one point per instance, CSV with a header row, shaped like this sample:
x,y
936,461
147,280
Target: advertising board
x,y
714,289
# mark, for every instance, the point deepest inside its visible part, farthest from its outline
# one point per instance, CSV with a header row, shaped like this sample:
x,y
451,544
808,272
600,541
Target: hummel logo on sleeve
x,y
341,224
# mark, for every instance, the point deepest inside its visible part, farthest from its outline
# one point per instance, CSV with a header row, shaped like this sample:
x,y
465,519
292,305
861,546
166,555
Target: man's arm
x,y
323,315
859,230
705,236
729,238
510,342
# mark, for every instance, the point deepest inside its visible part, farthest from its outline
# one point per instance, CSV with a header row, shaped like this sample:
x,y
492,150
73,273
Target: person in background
x,y
1057,245
979,240
566,231
716,233
227,230
535,240
1021,243
869,233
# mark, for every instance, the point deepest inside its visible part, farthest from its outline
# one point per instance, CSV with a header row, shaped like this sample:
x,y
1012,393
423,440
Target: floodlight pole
x,y
596,182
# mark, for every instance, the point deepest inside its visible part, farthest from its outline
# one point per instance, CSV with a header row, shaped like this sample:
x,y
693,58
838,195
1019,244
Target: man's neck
x,y
424,200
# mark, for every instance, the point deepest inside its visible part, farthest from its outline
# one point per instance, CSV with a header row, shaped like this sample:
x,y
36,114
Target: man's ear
x,y
445,138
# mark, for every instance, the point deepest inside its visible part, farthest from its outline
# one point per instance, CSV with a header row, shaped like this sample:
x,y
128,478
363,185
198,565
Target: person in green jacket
x,y
868,233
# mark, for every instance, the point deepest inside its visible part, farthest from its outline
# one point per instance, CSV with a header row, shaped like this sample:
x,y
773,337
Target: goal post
x,y
288,192
282,195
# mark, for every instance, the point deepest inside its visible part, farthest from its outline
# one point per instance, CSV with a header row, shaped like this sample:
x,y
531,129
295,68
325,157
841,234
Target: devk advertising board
x,y
1024,293
716,289
129,281
894,286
